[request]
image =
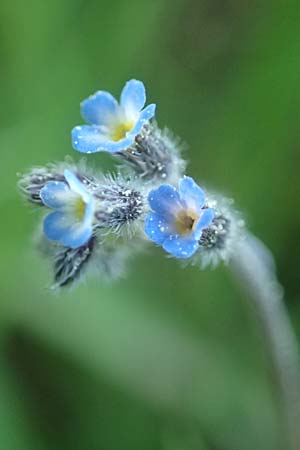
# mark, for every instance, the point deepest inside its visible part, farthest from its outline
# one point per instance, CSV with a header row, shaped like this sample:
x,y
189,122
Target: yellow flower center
x,y
186,222
120,130
79,208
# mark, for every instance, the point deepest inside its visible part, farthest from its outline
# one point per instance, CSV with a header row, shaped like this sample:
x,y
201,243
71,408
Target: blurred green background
x,y
168,358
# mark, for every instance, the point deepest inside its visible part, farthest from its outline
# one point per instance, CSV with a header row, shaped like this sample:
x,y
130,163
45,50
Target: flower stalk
x,y
254,269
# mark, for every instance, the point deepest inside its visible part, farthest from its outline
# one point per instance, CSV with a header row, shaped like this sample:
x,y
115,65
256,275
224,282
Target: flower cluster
x,y
98,220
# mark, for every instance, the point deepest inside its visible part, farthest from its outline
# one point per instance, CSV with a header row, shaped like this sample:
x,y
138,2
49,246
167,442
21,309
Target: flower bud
x,y
218,241
155,156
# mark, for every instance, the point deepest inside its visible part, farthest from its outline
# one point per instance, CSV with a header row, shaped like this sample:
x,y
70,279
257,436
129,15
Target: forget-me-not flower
x,y
113,126
178,217
71,224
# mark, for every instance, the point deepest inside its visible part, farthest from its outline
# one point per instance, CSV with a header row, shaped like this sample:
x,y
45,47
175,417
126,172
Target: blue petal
x,y
205,220
76,185
144,117
157,227
56,224
89,211
89,139
76,235
180,247
100,108
133,96
114,147
164,200
191,193
53,194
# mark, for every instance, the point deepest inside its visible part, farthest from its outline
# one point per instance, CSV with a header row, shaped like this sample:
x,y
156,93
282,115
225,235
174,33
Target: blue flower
x,y
178,217
71,223
113,127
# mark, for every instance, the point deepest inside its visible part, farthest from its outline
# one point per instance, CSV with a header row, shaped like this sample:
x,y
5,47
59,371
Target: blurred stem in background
x,y
254,267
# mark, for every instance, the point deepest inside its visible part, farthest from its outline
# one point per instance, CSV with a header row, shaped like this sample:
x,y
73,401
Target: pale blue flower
x,y
71,224
178,217
113,126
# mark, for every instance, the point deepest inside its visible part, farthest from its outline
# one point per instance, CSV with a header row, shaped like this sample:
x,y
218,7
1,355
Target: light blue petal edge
x,y
75,184
49,193
89,211
206,218
99,108
133,96
191,193
144,117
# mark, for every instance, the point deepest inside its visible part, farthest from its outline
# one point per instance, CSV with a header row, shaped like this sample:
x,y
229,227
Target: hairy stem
x,y
254,267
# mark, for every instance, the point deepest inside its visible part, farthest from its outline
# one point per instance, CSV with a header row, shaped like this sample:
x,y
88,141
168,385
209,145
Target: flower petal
x,y
77,235
180,247
56,224
89,211
100,108
76,185
54,194
114,147
89,139
191,193
164,200
144,117
157,227
205,220
133,96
